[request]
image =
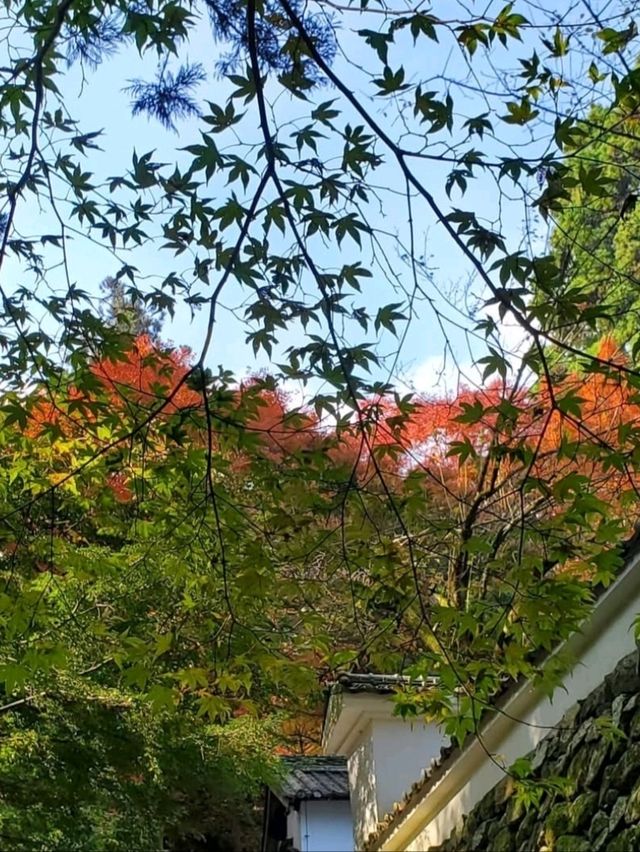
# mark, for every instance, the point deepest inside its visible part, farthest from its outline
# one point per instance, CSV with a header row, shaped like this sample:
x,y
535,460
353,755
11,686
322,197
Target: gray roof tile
x,y
381,683
322,777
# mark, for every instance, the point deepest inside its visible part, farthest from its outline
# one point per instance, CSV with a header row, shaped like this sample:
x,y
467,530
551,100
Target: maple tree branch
x,y
400,156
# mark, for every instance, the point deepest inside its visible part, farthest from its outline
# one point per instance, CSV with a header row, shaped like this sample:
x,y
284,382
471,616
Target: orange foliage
x,y
435,419
563,426
302,734
278,428
119,485
608,408
421,439
147,375
47,413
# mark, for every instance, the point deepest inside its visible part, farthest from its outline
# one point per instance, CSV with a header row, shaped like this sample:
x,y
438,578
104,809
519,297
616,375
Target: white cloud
x,y
440,375
513,337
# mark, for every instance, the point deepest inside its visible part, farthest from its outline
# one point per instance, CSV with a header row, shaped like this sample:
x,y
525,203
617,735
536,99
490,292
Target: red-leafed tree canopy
x,y
147,374
448,438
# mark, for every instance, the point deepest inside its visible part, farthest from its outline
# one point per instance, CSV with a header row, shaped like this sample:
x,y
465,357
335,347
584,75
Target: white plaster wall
x,y
362,779
401,751
604,641
293,827
388,757
326,826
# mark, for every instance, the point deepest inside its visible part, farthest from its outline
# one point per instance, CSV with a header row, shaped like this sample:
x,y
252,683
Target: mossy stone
x,y
597,844
596,762
632,810
487,806
626,841
581,809
503,841
617,812
596,703
607,786
572,843
479,837
634,728
528,830
599,823
558,821
624,678
628,767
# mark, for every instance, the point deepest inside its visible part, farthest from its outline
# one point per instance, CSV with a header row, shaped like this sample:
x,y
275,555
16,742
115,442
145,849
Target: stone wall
x,y
597,747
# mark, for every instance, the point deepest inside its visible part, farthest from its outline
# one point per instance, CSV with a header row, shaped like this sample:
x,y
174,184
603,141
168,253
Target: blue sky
x,y
98,102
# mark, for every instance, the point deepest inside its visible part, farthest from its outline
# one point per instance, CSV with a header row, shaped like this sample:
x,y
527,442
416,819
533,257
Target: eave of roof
x,y
317,777
379,683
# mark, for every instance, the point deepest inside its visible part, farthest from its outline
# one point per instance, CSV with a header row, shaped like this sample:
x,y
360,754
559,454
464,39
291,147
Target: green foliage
x,y
594,237
91,768
608,730
530,792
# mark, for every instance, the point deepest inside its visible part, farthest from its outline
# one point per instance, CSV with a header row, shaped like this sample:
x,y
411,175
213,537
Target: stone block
x,y
626,841
503,841
541,754
568,725
598,842
634,727
597,702
581,735
572,843
632,810
595,762
479,837
599,823
528,830
632,705
558,820
486,807
617,710
627,769
579,767
617,813
581,810
568,818
624,678
558,765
